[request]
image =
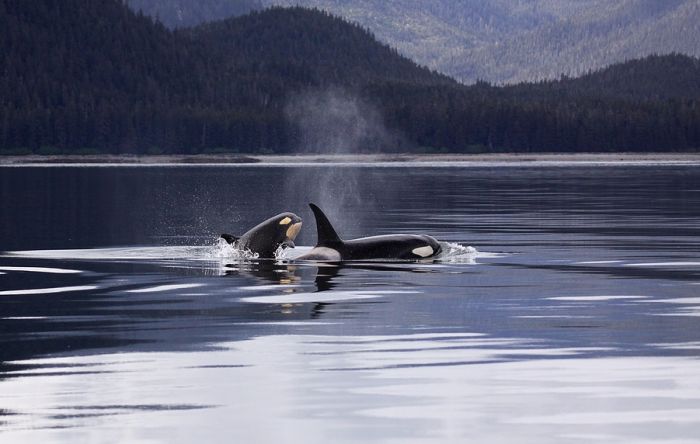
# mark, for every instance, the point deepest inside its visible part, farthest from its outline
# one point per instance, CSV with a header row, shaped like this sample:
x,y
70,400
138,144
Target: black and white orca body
x,y
266,237
392,246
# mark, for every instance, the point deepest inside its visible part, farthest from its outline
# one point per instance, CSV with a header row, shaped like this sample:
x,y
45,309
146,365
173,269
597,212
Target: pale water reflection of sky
x,y
409,388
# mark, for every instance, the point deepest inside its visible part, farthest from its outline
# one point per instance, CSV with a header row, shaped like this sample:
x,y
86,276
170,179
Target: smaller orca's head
x,y
266,237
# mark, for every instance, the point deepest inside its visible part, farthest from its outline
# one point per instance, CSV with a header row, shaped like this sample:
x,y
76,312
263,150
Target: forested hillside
x,y
303,47
99,77
94,76
654,78
513,41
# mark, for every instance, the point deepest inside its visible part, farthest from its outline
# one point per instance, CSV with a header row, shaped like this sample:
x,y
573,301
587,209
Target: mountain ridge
x,y
654,77
185,13
499,41
297,41
511,42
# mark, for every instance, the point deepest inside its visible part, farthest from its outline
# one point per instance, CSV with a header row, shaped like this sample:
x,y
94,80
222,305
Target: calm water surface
x,y
566,308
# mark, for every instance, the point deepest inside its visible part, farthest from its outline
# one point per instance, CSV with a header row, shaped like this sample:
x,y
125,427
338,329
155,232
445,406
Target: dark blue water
x,y
565,309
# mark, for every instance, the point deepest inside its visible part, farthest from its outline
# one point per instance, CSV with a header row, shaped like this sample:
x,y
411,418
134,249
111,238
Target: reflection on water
x,y
408,388
565,308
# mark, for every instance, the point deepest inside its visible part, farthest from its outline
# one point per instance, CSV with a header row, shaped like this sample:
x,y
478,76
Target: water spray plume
x,y
335,122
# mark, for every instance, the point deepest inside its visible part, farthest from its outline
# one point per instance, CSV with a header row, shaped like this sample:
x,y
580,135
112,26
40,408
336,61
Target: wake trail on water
x,y
220,250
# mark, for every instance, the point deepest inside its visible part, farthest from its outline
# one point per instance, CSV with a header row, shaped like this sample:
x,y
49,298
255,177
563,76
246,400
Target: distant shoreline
x,y
514,159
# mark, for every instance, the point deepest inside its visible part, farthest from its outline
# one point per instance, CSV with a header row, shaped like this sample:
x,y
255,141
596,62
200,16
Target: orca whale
x,y
266,237
330,247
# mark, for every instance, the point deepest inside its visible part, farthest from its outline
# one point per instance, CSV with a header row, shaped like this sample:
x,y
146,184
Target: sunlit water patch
x,y
454,387
138,253
47,290
39,270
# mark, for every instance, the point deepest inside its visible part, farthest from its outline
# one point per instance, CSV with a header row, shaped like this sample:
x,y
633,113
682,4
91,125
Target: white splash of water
x,y
455,253
224,250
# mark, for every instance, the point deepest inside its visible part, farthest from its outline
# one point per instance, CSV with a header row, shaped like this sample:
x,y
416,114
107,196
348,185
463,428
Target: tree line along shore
x,y
368,159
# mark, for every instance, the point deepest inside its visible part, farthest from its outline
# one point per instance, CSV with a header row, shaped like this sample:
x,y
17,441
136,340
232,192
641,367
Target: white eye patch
x,y
423,251
293,230
285,221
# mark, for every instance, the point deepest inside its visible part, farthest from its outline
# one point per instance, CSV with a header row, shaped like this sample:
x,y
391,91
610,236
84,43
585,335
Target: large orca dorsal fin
x,y
325,231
